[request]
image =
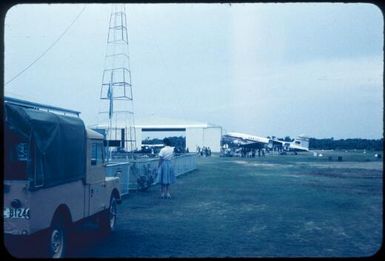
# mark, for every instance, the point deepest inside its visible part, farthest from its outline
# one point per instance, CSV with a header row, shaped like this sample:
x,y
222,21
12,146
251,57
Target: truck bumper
x,y
16,227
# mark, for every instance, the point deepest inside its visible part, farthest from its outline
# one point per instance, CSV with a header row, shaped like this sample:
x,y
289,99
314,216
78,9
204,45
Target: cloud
x,y
289,97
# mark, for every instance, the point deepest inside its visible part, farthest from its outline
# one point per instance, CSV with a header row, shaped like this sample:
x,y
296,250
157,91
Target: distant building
x,y
197,133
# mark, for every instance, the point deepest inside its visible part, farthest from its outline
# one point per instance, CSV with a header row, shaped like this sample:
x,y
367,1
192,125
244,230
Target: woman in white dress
x,y
166,175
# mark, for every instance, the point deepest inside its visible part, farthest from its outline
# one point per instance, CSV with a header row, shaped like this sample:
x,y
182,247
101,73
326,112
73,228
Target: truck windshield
x,y
16,156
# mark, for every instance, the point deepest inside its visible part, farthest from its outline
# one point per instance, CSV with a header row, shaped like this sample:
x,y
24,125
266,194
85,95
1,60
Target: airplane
x,y
301,143
246,140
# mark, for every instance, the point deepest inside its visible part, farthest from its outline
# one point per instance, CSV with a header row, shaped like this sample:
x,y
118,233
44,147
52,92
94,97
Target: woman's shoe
x,y
168,195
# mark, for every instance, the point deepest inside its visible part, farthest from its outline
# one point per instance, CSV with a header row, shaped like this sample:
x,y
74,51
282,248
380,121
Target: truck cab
x,y
96,180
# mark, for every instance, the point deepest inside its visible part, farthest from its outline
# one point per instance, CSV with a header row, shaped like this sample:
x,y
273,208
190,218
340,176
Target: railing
x,y
140,174
185,163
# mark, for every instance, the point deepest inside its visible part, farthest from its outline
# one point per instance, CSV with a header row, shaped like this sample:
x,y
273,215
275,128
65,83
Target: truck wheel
x,y
58,239
108,217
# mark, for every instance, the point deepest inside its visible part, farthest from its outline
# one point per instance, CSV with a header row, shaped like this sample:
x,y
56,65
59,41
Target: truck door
x,y
96,177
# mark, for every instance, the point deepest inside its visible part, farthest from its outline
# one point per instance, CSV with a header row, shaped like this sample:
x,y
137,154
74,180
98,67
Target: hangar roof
x,y
163,122
155,122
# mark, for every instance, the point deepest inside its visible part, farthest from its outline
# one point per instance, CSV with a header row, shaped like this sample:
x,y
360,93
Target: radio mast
x,y
116,99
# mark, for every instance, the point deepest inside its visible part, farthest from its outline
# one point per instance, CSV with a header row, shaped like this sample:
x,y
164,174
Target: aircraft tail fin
x,y
302,141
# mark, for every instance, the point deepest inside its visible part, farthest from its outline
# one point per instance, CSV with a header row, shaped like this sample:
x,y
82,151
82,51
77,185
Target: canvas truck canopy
x,y
54,145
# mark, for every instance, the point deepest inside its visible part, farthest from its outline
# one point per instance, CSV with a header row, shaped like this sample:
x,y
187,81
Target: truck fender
x,y
115,193
64,212
57,236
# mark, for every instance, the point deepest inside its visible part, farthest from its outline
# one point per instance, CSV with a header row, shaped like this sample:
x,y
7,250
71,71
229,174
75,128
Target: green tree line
x,y
178,142
346,144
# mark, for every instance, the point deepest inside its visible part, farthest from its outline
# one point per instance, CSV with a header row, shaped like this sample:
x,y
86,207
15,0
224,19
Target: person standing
x,y
166,174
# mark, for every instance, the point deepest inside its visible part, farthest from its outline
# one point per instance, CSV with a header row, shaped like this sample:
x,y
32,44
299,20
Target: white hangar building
x,y
196,133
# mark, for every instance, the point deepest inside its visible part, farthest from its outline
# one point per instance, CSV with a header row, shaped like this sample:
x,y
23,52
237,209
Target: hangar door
x,y
212,138
208,137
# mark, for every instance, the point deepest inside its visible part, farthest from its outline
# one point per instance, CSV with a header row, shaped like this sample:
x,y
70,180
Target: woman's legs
x,y
167,192
162,190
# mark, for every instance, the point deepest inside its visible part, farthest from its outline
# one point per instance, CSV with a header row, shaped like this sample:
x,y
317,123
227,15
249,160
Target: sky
x,y
266,69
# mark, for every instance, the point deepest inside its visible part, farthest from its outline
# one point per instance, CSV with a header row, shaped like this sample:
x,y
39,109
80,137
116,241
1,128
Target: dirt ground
x,y
273,206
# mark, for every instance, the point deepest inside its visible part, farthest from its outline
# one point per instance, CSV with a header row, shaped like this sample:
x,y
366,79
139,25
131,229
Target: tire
x,y
58,238
107,219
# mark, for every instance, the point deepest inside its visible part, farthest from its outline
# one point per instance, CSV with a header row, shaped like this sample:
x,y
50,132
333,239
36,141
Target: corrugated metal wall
x,y
208,137
212,138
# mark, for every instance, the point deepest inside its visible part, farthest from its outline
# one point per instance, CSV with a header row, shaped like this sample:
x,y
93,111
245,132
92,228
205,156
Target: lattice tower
x,y
116,99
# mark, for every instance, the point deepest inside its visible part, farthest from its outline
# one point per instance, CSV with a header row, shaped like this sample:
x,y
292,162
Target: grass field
x,y
275,206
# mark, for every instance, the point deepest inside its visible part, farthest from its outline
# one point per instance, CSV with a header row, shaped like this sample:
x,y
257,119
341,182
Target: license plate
x,y
16,213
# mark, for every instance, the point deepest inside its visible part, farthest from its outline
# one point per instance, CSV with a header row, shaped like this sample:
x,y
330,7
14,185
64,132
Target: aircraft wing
x,y
244,141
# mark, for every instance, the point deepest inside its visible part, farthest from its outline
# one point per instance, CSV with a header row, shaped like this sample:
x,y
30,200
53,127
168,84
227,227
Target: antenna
x,y
116,97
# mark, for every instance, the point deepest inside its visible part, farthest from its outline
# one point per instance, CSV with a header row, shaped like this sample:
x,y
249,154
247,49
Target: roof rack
x,y
39,106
